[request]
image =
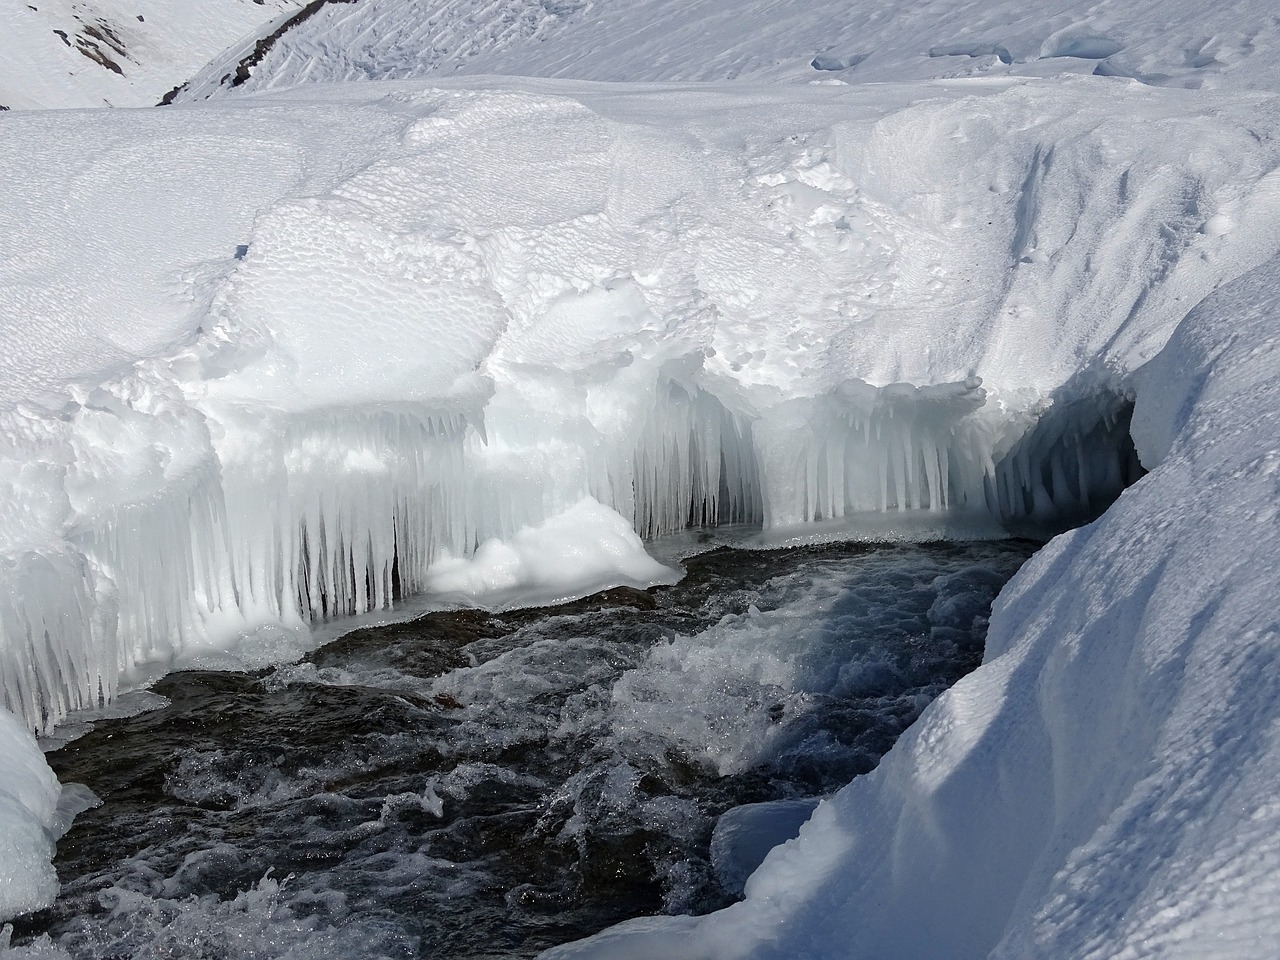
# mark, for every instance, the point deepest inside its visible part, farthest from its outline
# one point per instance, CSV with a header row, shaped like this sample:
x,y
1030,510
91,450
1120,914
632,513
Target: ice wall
x,y
872,449
276,521
694,465
688,306
1103,785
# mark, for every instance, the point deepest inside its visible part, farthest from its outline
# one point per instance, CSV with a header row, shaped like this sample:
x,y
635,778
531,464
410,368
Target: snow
x,y
295,353
231,442
611,334
1157,42
70,53
1102,786
585,545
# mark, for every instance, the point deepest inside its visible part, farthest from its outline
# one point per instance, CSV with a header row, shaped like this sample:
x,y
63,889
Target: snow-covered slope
x,y
95,53
293,354
1159,42
1104,786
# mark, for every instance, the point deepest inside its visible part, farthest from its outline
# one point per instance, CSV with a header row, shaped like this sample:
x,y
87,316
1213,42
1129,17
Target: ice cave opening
x,y
868,452
1069,467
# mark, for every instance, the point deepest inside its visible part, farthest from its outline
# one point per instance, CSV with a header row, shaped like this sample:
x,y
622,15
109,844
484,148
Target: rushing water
x,y
487,785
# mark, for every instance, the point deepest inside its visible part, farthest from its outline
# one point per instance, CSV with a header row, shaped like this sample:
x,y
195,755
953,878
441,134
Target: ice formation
x,y
28,818
268,360
689,315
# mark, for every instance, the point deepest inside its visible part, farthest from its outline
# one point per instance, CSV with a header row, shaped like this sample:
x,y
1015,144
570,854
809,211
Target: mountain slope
x,y
94,53
1158,42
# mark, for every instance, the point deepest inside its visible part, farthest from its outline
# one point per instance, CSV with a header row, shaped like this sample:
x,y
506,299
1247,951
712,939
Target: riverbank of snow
x,y
1103,785
280,375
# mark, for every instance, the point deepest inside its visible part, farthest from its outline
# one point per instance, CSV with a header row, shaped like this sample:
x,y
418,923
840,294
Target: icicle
x,y
933,494
693,463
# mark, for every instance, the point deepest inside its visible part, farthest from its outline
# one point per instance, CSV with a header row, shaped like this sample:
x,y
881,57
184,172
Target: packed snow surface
x,y
290,355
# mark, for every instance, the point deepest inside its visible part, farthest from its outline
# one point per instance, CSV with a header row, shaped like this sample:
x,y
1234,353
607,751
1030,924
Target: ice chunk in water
x,y
744,836
28,822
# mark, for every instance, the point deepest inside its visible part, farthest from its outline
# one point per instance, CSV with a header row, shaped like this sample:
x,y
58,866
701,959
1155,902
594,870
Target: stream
x,y
475,784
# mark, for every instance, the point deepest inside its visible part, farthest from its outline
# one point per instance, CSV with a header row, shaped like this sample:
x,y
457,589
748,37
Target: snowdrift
x,y
1103,786
299,355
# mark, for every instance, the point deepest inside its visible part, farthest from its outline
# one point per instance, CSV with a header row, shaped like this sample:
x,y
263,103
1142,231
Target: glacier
x,y
291,355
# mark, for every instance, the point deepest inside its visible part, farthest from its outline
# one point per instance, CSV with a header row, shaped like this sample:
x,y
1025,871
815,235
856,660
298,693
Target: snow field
x,y
1157,42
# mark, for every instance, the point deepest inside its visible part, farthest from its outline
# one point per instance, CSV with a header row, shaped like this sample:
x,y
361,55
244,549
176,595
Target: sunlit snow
x,y
277,355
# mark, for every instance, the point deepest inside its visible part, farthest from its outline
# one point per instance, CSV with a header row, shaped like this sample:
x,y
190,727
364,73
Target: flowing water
x,y
487,785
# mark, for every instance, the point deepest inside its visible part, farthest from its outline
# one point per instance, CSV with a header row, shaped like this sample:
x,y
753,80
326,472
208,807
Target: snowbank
x,y
271,361
1104,785
280,375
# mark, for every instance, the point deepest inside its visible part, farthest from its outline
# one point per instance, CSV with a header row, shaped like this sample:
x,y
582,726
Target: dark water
x,y
488,785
